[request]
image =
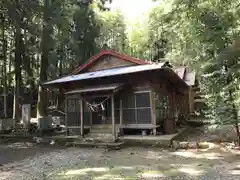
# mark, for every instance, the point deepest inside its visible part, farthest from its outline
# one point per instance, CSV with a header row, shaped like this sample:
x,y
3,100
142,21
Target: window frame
x,y
135,108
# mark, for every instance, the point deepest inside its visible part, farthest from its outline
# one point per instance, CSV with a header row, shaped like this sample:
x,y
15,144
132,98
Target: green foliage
x,y
54,37
203,35
112,31
84,33
75,32
199,34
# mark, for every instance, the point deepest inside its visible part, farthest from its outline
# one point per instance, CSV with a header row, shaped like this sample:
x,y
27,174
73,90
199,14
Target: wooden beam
x,y
81,118
113,118
97,96
138,126
77,127
198,101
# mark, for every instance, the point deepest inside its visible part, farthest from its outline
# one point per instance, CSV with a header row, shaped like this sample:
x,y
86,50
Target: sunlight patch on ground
x,y
188,154
153,155
5,175
123,168
235,172
152,174
109,176
171,172
208,144
86,170
190,171
193,169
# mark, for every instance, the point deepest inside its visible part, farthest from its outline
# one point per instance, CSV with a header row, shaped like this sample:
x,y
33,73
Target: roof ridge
x,y
109,52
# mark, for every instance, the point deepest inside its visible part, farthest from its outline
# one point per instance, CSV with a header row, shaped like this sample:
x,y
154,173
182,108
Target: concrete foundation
x,y
6,124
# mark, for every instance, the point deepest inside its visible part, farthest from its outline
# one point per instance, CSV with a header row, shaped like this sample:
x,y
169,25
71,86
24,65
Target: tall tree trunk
x,y
4,66
235,116
238,133
9,77
27,67
60,98
46,44
234,107
17,73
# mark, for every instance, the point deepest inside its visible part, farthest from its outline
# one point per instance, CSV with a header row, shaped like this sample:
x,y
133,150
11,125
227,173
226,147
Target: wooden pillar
x,y
121,117
66,114
113,117
175,115
121,113
153,112
90,119
81,118
175,106
190,100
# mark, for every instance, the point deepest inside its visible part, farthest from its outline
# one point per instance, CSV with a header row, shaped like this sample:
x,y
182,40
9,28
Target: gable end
x,y
125,60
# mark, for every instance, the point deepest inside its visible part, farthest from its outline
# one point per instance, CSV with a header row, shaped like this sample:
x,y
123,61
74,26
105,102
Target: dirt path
x,y
126,164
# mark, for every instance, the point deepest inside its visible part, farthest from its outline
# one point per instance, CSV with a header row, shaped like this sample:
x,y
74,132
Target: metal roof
x,y
95,88
107,73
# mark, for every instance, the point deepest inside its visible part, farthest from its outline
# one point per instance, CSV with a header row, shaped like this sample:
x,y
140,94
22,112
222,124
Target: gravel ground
x,y
25,162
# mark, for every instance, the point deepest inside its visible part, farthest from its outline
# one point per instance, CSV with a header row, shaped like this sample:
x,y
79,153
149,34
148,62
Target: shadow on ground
x,y
13,152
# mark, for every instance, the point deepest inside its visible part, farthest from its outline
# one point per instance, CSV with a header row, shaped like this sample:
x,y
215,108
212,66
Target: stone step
x,y
100,135
94,130
102,126
105,137
108,145
199,101
196,88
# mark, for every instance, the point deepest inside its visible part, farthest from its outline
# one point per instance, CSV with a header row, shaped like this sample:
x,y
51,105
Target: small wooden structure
x,y
115,91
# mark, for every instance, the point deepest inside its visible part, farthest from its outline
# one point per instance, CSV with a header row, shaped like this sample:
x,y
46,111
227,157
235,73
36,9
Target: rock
x,y
38,139
203,145
176,144
52,142
183,145
189,145
193,145
47,163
